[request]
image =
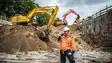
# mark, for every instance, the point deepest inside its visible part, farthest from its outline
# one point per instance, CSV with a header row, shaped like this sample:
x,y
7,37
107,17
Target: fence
x,y
101,12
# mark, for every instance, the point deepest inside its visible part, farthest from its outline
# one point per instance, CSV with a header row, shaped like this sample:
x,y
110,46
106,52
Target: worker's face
x,y
66,32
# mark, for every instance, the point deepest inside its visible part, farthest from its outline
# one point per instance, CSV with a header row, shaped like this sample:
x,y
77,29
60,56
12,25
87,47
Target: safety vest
x,y
68,43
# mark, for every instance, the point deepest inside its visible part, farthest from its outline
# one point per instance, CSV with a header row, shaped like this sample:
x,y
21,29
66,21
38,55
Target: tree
x,y
43,19
58,19
12,7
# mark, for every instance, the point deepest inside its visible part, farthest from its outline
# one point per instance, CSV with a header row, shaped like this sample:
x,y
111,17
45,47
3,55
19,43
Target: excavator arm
x,y
78,20
51,9
70,11
52,18
64,16
35,11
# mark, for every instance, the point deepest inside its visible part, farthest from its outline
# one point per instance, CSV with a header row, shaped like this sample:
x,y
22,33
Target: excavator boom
x,y
52,18
64,16
70,11
37,10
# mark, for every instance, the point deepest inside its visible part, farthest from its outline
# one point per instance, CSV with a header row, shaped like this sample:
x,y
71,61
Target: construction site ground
x,y
21,44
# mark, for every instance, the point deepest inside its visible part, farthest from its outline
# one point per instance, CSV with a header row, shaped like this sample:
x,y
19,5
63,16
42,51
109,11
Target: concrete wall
x,y
98,30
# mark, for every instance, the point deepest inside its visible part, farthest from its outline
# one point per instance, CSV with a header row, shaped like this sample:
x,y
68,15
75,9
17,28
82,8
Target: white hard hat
x,y
66,29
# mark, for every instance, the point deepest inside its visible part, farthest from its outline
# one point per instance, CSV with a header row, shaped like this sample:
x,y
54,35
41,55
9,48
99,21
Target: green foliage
x,y
43,19
12,7
58,19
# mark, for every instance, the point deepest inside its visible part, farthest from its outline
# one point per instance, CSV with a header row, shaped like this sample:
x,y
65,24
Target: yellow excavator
x,y
24,20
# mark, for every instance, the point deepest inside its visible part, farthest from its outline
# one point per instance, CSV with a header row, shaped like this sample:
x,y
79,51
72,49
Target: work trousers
x,y
63,57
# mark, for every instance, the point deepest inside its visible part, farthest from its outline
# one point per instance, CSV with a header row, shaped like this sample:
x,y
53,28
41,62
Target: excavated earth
x,y
22,38
21,44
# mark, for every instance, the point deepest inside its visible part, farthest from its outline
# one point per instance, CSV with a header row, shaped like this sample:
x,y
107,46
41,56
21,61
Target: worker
x,y
67,48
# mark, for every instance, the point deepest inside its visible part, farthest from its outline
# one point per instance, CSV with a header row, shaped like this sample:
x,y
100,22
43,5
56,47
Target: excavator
x,y
24,20
77,21
64,22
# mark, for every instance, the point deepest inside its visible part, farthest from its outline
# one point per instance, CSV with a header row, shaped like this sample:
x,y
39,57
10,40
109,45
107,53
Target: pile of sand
x,y
14,38
22,38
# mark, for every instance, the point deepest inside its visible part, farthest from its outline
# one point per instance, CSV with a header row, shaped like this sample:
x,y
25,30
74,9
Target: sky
x,y
84,8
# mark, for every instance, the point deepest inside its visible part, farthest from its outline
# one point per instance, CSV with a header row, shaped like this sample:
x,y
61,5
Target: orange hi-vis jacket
x,y
68,43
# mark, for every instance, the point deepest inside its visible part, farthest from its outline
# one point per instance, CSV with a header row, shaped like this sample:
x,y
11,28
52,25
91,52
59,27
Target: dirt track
x,y
83,55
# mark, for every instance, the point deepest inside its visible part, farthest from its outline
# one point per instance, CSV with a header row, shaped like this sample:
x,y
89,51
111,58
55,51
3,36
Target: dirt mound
x,y
16,38
22,38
